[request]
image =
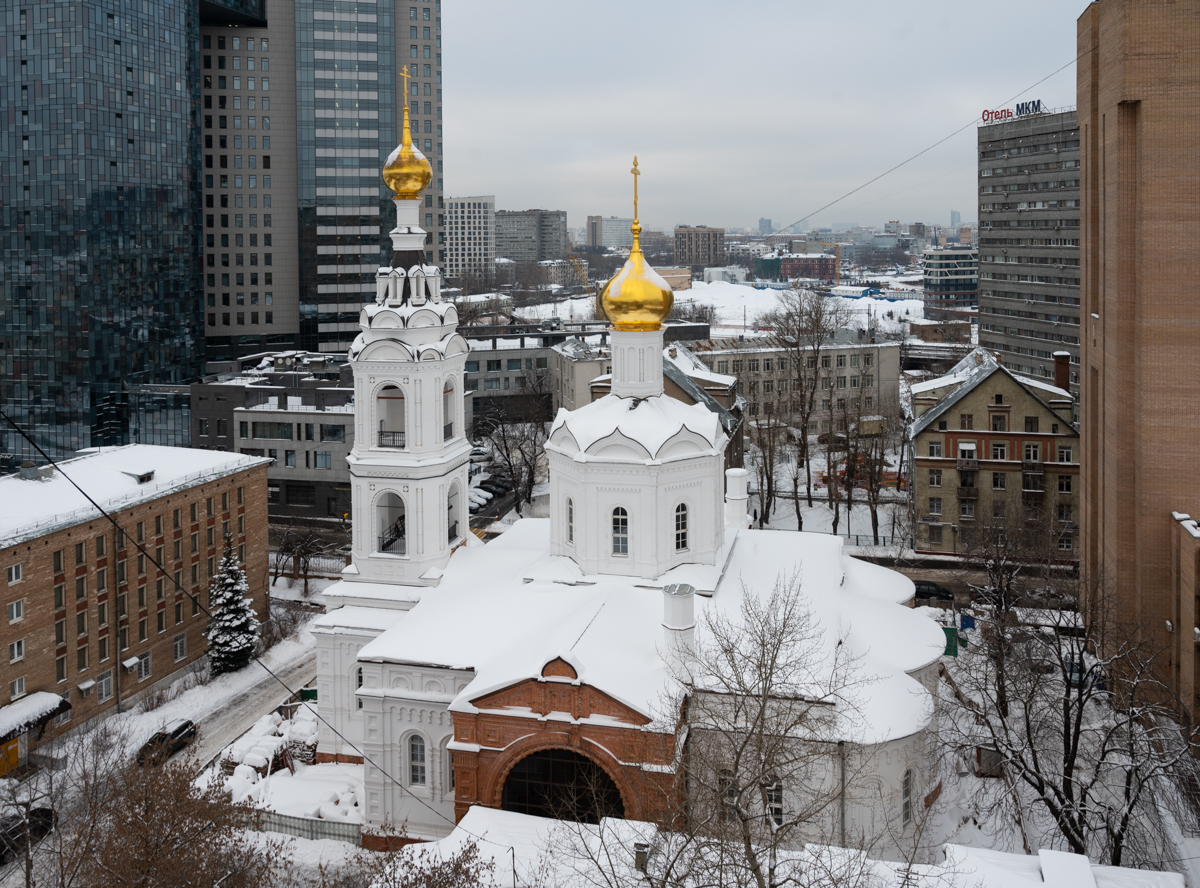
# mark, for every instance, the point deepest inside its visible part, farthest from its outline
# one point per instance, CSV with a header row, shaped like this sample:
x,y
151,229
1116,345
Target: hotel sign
x,y
1023,110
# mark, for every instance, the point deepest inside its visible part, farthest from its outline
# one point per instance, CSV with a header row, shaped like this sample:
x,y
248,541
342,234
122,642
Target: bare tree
x,y
518,436
804,321
1085,739
412,866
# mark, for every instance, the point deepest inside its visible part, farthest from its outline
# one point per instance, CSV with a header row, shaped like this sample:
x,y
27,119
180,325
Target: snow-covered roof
x,y
640,427
355,619
23,714
682,357
109,475
966,375
609,628
531,844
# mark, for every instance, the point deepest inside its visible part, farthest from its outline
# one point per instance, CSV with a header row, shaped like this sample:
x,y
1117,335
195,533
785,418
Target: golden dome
x,y
636,297
407,172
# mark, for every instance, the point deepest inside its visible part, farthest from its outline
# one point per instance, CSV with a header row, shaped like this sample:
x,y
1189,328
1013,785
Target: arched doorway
x,y
562,784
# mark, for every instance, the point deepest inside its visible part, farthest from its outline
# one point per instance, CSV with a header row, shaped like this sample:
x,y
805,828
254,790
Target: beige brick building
x,y
991,449
1139,124
699,245
87,615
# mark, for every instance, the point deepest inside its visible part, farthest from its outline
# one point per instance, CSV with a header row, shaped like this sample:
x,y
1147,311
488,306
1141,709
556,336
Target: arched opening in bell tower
x,y
389,409
452,513
390,521
448,411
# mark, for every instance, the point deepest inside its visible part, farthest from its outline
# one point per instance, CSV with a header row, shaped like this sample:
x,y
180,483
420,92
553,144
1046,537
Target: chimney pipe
x,y
679,626
29,471
737,497
1062,370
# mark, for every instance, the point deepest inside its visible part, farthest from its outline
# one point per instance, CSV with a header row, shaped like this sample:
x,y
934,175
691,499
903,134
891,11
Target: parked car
x,y
172,738
931,591
495,487
840,441
13,831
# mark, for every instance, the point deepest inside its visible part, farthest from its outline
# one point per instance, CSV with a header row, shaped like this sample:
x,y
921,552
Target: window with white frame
x,y
16,687
143,666
620,531
16,651
179,647
14,573
104,686
681,527
416,760
16,610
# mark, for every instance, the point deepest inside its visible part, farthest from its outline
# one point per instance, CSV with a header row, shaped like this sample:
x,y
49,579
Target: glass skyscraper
x,y
100,305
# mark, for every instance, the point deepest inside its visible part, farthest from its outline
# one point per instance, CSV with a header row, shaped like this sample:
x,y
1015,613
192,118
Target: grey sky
x,y
737,110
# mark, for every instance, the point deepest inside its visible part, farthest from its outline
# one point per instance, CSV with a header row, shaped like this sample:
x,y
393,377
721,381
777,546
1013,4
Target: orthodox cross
x,y
636,173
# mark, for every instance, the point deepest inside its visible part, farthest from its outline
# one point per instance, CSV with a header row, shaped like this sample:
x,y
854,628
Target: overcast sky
x,y
738,110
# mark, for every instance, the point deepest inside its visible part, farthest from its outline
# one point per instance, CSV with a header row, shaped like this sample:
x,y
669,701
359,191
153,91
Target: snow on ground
x,y
287,589
733,302
327,791
819,519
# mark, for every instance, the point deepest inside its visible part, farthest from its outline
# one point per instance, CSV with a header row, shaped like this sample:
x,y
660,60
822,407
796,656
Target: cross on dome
x,y
636,298
407,172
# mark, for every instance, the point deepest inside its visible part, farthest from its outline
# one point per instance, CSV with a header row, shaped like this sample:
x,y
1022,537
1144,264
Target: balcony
x,y
1032,465
448,431
394,440
968,493
1032,494
968,465
391,545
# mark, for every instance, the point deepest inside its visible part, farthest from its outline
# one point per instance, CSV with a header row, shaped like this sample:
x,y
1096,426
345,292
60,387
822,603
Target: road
x,y
220,728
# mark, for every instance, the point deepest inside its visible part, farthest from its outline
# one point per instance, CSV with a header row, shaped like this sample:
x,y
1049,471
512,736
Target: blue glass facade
x,y
99,218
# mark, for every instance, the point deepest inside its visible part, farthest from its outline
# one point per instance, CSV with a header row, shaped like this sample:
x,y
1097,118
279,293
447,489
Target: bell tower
x,y
408,468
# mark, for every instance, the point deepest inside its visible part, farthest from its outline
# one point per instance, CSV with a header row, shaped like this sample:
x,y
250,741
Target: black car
x,y
14,829
931,591
495,488
172,738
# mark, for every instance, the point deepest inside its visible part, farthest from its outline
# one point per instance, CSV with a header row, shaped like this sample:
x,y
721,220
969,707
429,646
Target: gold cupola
x,y
636,297
407,172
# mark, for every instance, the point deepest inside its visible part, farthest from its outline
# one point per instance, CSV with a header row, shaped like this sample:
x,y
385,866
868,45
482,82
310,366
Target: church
x,y
535,667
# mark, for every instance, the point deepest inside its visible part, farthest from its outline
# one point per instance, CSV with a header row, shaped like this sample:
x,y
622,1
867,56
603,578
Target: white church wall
x,y
337,665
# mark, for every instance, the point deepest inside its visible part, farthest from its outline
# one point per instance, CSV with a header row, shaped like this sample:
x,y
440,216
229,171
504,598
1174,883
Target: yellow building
x,y
992,452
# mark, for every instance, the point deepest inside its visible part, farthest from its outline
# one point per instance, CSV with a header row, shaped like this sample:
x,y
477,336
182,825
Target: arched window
x,y
448,411
906,811
681,527
452,513
391,524
620,531
357,685
570,521
416,760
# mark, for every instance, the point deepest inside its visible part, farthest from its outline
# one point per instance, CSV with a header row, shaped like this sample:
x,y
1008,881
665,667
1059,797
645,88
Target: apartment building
x,y
1029,242
851,366
531,235
1139,128
699,246
300,106
509,379
993,451
951,282
609,231
471,238
293,408
90,619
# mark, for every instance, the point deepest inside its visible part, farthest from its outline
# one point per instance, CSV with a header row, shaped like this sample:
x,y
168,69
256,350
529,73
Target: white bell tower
x,y
409,464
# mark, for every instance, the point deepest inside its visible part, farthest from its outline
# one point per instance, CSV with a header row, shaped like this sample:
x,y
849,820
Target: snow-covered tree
x,y
232,627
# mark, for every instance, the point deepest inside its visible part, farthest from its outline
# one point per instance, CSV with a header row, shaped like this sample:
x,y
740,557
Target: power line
x,y
935,144
197,603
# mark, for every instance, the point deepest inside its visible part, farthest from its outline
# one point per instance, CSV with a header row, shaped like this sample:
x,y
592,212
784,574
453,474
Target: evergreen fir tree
x,y
232,627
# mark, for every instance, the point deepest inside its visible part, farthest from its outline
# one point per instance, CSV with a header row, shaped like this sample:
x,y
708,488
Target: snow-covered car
x,y
16,829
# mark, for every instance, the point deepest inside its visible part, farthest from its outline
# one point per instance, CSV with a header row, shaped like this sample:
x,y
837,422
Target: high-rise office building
x,y
1029,242
609,231
764,226
1139,128
951,282
471,238
955,218
531,235
291,249
100,220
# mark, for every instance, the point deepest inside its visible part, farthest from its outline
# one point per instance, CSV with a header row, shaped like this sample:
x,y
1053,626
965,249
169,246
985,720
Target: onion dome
x,y
636,297
407,172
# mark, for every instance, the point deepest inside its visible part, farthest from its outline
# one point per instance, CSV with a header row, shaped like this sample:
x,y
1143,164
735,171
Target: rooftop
x,y
110,475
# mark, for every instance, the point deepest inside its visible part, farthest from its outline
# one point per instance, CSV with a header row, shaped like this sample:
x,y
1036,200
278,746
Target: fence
x,y
308,827
318,565
856,539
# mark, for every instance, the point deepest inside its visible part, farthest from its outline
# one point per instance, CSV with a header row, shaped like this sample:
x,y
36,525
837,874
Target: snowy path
x,y
228,722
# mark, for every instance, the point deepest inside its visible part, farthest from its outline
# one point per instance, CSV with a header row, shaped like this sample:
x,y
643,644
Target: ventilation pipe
x,y
29,471
679,626
1062,370
737,498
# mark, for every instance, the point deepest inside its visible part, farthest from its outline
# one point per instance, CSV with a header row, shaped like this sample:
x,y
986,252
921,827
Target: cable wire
x,y
197,603
935,144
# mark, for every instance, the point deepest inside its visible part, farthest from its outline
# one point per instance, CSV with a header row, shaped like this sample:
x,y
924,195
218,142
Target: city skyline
x,y
911,80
